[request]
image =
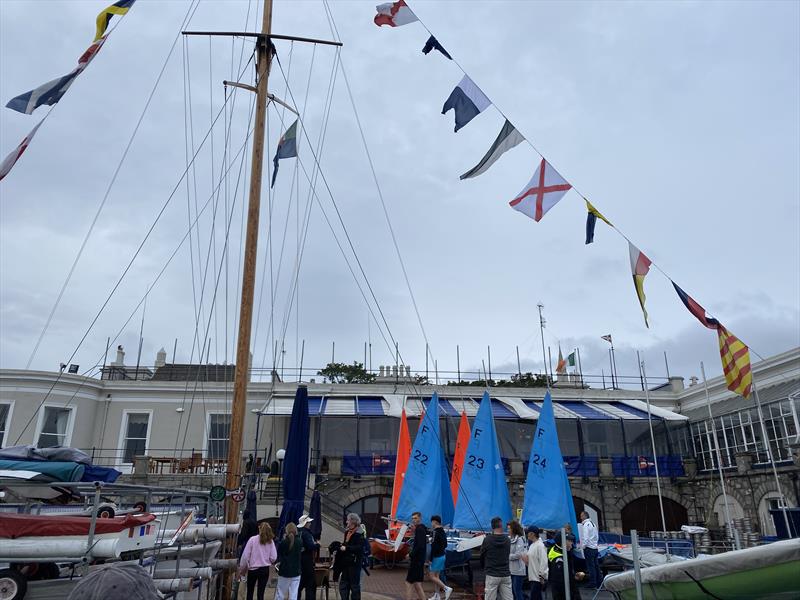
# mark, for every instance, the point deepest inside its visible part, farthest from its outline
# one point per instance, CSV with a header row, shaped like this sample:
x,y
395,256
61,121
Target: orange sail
x,y
461,453
401,463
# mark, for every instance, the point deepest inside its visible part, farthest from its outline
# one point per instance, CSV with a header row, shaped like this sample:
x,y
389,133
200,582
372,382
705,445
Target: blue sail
x,y
426,486
483,490
548,498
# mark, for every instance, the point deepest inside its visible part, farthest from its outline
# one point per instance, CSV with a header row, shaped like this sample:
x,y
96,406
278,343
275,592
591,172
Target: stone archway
x,y
734,507
644,515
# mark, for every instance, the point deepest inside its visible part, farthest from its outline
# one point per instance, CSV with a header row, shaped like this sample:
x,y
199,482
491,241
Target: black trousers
x,y
308,580
258,576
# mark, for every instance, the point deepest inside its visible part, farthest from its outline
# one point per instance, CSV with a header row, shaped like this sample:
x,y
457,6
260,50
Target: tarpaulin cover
x,y
59,453
750,573
96,473
16,526
62,471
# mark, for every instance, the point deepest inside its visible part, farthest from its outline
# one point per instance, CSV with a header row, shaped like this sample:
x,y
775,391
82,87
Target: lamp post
x,y
280,455
257,412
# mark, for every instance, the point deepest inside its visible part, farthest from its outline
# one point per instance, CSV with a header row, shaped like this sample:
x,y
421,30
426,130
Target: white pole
x,y
637,573
771,460
567,591
653,444
719,459
544,354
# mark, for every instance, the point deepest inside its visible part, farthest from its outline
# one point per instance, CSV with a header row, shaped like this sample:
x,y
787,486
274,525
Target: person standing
x,y
352,552
516,562
248,530
438,548
308,576
588,540
537,563
495,552
416,568
289,551
555,576
258,555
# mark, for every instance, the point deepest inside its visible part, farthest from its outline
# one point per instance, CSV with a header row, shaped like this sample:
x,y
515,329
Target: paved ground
x,y
389,584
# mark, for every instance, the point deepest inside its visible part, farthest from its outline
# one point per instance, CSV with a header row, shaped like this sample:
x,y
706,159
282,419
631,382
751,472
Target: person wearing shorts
x,y
416,567
438,547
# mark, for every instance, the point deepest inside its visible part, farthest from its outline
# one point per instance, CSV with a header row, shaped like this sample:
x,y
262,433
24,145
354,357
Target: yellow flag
x,y
735,362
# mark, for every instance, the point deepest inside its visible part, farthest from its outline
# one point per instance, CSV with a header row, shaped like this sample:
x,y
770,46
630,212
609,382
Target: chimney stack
x,y
120,361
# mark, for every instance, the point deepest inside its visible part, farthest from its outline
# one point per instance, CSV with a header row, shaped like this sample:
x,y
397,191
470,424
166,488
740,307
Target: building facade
x,y
178,416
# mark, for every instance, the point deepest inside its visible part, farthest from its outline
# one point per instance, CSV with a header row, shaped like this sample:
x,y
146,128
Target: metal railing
x,y
213,373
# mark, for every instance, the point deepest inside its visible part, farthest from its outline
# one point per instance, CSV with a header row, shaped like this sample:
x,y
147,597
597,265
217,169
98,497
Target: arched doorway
x,y
644,515
595,515
372,509
734,508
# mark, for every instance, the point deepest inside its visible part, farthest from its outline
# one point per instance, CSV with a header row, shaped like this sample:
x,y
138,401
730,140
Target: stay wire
x,y
119,281
341,222
335,32
186,20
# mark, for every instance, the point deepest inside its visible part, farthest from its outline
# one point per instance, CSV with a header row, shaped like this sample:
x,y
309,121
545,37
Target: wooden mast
x,y
242,372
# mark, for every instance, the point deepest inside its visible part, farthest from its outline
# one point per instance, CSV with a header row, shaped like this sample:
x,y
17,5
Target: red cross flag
x,y
542,193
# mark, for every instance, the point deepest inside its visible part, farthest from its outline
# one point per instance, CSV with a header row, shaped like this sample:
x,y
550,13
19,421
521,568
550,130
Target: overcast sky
x,y
679,120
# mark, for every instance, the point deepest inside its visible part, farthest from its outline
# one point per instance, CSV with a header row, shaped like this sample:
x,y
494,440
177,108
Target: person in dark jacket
x,y
555,575
495,553
419,551
289,564
438,548
349,556
308,577
248,530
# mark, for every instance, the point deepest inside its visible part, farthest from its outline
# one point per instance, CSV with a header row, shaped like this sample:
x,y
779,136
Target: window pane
x,y
3,416
48,440
602,438
54,427
133,448
377,435
337,436
514,438
137,425
568,436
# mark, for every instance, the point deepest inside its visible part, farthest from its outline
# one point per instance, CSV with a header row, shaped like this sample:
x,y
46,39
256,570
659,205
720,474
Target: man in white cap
x,y
308,578
116,580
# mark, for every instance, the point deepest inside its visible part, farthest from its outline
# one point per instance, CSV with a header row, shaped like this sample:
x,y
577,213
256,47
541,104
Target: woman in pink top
x,y
258,555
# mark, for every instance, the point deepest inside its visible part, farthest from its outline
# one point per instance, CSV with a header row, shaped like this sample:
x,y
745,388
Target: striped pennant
x,y
735,362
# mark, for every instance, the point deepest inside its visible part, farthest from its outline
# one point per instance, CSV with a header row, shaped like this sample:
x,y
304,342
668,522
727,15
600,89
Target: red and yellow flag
x,y
401,463
735,362
461,454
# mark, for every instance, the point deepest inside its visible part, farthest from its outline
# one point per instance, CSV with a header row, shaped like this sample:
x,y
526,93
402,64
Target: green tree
x,y
344,373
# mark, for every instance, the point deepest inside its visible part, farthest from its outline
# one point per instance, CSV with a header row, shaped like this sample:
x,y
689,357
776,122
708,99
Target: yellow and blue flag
x,y
104,18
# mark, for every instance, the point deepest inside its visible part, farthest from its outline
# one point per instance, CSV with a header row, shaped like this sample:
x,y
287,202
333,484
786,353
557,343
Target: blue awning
x,y
370,406
584,410
315,405
501,411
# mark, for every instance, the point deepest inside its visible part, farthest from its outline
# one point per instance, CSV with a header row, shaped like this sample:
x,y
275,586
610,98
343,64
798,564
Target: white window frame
x,y
208,429
7,426
123,429
70,423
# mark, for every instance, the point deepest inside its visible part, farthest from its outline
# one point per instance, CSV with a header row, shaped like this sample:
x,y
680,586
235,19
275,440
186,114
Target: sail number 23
x,y
473,461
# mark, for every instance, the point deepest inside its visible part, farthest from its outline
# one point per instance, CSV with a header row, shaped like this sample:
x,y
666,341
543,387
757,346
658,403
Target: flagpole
x,y
719,459
653,443
544,354
580,366
771,459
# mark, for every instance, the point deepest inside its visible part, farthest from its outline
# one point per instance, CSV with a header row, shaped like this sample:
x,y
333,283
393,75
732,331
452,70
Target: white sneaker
x,y
435,597
447,592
